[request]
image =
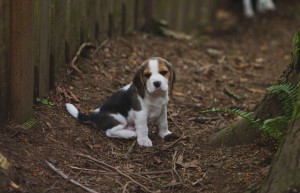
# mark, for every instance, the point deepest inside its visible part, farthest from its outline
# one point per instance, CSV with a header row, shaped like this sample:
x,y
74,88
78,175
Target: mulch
x,y
229,68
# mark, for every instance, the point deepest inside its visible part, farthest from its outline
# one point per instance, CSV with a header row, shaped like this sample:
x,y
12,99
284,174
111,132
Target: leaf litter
x,y
185,163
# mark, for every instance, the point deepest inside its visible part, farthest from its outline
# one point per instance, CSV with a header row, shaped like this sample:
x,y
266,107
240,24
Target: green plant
x,y
274,127
249,116
287,95
45,102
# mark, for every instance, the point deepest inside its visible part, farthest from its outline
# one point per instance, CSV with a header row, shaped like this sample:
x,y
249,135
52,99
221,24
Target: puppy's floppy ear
x,y
172,77
138,82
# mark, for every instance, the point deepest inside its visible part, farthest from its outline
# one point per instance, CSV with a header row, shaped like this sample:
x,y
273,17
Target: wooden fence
x,y
37,37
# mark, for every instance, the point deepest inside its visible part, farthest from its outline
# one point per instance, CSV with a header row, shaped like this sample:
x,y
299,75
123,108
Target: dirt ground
x,y
245,58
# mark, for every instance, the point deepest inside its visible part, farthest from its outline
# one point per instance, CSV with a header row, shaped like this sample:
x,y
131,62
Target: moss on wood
x,y
296,51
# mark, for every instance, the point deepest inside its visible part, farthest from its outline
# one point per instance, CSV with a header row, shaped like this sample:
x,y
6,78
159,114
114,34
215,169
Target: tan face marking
x,y
163,70
146,73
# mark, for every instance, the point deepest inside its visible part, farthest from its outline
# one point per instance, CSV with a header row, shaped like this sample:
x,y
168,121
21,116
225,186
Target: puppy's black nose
x,y
157,84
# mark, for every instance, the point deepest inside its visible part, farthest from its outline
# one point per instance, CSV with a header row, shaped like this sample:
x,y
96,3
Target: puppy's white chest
x,y
154,112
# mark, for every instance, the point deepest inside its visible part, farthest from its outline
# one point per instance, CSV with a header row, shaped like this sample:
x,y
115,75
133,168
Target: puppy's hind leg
x,y
119,131
247,8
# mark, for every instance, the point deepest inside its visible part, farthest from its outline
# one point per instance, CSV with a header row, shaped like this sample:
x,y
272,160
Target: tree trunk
x,y
284,176
243,132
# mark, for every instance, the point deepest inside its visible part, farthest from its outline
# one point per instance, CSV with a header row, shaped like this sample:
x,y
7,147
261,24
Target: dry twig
x,y
56,170
230,93
112,173
115,169
99,47
124,188
72,64
131,148
174,167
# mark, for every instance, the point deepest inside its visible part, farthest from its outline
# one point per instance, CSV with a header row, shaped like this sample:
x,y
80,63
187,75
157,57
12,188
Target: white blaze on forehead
x,y
153,65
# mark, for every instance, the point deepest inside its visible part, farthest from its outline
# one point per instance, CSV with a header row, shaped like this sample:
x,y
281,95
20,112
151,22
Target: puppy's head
x,y
155,75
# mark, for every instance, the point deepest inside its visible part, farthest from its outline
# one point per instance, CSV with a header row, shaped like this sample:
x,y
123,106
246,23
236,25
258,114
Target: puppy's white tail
x,y
72,110
81,116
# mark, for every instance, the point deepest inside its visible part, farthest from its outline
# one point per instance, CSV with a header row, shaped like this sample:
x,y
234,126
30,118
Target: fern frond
x,y
276,127
249,116
287,95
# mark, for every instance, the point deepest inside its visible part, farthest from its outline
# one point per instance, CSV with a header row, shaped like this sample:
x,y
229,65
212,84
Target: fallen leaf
x,y
256,90
192,164
157,160
243,66
179,94
172,183
179,159
222,14
66,94
258,65
14,185
259,60
3,162
214,52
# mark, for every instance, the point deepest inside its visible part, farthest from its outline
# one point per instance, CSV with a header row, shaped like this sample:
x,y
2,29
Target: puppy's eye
x,y
164,72
147,75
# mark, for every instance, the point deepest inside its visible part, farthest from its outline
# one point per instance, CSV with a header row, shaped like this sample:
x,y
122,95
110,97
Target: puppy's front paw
x,y
171,137
265,5
145,141
249,14
165,133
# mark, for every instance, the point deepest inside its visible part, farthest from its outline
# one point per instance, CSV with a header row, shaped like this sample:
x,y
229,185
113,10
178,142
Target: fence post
x,y
4,59
22,72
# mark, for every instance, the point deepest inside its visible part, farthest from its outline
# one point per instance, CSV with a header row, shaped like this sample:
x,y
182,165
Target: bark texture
x,y
284,176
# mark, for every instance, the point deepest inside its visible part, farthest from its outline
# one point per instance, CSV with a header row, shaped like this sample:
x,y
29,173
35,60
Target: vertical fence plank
x,y
184,16
101,10
83,20
22,59
41,46
140,17
159,9
69,37
57,45
72,28
97,10
117,17
36,49
105,23
90,20
110,17
128,13
4,59
44,57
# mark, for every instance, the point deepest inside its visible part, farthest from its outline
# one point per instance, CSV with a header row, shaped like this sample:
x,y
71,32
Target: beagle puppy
x,y
126,113
261,6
